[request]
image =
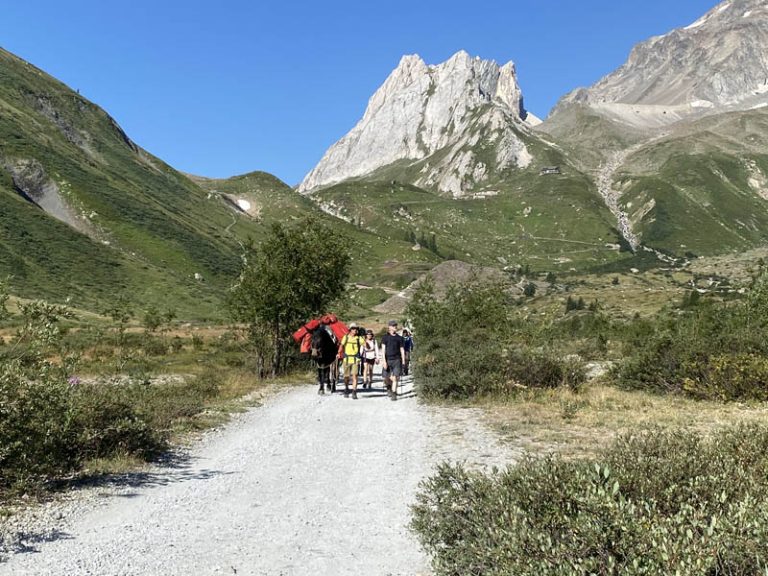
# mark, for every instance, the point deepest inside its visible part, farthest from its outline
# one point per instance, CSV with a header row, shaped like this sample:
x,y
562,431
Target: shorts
x,y
370,361
350,368
394,368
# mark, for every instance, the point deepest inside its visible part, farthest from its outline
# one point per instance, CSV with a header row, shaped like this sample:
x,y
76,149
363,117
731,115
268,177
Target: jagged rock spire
x,y
421,109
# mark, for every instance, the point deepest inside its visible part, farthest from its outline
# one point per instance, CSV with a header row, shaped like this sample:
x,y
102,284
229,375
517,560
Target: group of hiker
x,y
360,352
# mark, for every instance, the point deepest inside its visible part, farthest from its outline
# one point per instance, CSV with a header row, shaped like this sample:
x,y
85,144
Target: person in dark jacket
x,y
408,348
393,355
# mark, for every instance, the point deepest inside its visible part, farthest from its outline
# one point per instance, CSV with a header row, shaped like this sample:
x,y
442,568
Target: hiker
x,y
394,357
370,357
351,349
361,369
408,348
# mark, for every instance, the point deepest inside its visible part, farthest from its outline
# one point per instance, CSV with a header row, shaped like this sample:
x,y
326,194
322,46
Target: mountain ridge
x,y
716,64
438,112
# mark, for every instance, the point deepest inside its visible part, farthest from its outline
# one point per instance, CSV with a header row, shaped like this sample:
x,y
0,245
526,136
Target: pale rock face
x,y
718,63
422,109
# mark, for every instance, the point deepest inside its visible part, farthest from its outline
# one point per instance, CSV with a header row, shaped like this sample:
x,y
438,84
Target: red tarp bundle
x,y
339,329
306,343
299,334
304,334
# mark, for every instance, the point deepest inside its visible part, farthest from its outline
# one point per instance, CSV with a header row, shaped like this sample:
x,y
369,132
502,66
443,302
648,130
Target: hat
x,y
392,323
353,325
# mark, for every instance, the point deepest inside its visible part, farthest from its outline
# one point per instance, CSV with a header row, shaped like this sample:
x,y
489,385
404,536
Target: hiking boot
x,y
393,397
354,395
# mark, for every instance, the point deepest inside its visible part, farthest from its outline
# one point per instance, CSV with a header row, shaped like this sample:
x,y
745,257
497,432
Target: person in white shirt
x,y
370,357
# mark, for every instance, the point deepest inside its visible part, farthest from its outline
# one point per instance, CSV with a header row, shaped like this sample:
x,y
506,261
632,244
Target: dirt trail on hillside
x,y
304,484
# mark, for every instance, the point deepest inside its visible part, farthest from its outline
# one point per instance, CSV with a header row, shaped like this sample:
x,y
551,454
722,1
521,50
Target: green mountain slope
x,y
379,257
87,214
702,189
553,222
588,137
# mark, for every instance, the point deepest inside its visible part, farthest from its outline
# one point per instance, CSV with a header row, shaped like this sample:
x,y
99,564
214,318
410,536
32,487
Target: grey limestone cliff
x,y
422,109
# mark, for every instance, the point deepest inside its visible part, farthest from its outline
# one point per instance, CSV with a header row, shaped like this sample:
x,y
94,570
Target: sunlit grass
x,y
581,422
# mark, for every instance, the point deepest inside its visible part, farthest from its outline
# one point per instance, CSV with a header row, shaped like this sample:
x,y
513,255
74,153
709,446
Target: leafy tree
x,y
296,273
152,319
120,311
529,289
4,297
432,243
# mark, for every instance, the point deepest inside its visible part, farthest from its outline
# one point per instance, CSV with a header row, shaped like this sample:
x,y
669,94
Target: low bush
x,y
712,351
108,423
654,503
538,369
459,371
52,423
728,377
473,343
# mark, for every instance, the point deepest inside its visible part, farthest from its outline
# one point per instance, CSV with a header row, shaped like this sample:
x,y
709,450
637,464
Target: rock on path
x,y
305,484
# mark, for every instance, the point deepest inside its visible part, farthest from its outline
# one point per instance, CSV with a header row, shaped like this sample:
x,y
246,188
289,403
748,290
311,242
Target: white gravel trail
x,y
304,484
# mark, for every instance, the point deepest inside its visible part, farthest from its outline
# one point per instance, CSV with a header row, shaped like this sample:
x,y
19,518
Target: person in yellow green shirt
x,y
352,352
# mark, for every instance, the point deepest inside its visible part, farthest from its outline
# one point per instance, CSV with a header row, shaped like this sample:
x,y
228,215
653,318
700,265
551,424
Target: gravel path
x,y
304,484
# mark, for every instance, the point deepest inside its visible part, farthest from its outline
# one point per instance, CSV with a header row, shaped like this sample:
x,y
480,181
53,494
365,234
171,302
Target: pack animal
x,y
323,354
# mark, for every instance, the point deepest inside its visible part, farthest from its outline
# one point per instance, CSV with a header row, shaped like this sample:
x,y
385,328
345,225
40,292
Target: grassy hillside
x,y
85,214
379,258
704,188
136,226
550,222
586,136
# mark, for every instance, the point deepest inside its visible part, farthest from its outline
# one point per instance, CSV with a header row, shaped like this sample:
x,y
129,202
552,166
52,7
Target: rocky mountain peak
x,y
421,109
717,63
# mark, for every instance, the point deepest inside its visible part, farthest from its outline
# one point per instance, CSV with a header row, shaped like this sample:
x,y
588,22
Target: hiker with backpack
x,y
370,357
393,352
408,348
351,349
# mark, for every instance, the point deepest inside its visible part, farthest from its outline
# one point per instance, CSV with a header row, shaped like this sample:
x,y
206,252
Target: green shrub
x,y
708,350
655,503
37,428
456,371
154,346
473,343
51,423
177,344
197,343
728,377
538,369
108,423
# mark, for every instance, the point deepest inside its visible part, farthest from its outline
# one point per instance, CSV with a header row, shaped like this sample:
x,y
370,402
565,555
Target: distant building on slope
x,y
546,170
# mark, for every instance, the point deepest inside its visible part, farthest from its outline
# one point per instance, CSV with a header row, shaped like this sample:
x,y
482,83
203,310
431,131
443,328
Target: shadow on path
x,y
27,542
170,468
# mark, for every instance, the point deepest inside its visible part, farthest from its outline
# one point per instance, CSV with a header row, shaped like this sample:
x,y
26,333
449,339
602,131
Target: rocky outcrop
x,y
34,185
718,63
421,110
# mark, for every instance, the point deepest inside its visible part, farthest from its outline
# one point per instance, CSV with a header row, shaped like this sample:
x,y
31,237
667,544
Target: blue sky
x,y
227,87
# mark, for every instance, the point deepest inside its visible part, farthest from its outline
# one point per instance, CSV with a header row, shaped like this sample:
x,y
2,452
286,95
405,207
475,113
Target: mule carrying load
x,y
320,338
